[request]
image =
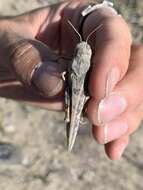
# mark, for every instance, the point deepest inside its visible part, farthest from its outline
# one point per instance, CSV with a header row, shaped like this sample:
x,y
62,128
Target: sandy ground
x,y
33,154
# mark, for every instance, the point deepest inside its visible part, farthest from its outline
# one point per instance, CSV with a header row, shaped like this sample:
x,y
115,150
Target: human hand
x,y
21,51
116,105
40,37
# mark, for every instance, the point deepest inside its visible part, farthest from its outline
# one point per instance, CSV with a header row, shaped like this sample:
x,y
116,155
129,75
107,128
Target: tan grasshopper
x,y
75,96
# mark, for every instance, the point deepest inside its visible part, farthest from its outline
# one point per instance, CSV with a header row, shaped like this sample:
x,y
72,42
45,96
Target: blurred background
x,y
33,154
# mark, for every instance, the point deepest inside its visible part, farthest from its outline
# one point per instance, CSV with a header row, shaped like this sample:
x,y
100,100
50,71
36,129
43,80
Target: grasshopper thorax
x,y
82,58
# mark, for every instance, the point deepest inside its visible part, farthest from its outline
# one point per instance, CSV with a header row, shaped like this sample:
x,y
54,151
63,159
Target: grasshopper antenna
x,y
89,36
75,30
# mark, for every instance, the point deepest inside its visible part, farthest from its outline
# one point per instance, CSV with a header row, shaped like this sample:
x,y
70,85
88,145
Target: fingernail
x,y
114,130
110,107
121,148
112,79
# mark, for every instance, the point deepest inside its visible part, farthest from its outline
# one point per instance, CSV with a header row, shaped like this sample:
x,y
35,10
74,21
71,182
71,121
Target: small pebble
x,y
9,129
25,161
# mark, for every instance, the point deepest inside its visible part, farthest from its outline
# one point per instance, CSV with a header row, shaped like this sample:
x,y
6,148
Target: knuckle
x,y
118,28
92,112
23,60
97,135
19,50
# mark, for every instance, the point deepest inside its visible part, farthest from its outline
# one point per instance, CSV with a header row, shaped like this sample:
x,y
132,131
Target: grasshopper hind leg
x,y
67,111
67,114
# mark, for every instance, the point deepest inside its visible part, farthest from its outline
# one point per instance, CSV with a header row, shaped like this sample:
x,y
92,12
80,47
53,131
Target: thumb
x,y
37,67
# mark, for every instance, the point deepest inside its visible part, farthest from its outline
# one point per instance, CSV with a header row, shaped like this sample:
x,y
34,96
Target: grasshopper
x,y
75,95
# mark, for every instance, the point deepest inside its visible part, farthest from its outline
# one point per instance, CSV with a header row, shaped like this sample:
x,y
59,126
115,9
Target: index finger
x,y
111,54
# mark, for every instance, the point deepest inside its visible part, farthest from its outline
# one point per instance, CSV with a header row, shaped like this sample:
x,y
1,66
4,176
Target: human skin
x,y
116,68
